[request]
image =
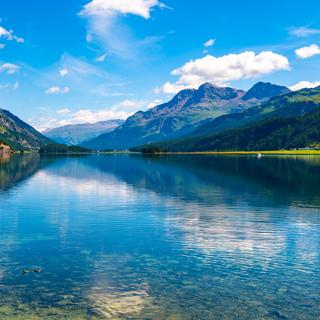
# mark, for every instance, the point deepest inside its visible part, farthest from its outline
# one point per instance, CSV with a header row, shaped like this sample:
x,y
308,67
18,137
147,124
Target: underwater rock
x,y
278,315
35,270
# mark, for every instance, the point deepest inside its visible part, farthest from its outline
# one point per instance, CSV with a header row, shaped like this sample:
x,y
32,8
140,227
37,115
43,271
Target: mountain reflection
x,y
210,180
200,179
16,168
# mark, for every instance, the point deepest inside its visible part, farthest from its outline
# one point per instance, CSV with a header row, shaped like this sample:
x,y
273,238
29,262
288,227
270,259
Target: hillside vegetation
x,y
19,135
290,121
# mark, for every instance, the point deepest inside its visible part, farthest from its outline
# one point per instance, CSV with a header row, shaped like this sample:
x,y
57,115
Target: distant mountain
x,y
78,133
285,122
180,116
18,134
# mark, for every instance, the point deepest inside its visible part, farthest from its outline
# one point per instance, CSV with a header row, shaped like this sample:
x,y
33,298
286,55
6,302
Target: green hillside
x,y
285,122
19,135
290,104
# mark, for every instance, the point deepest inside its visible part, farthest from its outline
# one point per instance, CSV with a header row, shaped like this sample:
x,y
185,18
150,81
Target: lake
x,y
170,237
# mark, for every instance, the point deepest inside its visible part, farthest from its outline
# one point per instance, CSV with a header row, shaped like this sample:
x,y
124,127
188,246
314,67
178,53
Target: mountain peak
x,y
212,91
207,85
263,90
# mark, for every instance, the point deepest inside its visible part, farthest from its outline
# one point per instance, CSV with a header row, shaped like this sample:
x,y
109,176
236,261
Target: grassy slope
x,y
291,104
18,134
272,134
289,121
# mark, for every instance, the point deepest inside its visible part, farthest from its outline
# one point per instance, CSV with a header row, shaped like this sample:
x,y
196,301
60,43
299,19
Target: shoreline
x,y
262,153
270,152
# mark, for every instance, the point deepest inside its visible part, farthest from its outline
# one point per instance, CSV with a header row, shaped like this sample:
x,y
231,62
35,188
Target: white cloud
x,y
221,70
303,31
304,84
57,90
4,33
11,86
153,103
170,88
101,58
209,43
78,68
9,68
308,52
106,29
106,8
63,111
44,123
128,104
121,110
2,45
9,35
90,116
63,72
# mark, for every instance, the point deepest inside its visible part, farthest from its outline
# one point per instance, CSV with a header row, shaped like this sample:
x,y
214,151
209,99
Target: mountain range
x,y
209,118
78,133
288,121
179,117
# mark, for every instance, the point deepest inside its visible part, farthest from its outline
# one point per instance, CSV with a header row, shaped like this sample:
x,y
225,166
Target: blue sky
x,y
85,61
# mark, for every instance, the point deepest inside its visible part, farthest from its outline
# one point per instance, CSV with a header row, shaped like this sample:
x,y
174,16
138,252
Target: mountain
x,y
290,104
186,111
272,134
78,133
265,90
285,122
18,134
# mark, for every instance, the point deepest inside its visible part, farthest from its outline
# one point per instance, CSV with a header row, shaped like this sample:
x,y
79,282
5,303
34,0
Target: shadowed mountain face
x,y
18,134
180,116
78,133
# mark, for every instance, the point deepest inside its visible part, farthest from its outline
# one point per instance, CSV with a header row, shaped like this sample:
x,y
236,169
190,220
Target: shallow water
x,y
175,237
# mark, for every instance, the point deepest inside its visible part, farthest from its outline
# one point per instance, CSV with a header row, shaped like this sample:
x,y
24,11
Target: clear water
x,y
176,237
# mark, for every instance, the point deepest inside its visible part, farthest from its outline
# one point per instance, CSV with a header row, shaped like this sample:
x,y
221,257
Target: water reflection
x,y
177,237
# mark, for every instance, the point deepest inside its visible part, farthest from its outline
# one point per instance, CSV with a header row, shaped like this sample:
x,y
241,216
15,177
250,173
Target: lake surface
x,y
172,237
